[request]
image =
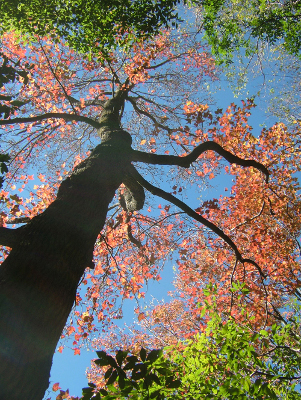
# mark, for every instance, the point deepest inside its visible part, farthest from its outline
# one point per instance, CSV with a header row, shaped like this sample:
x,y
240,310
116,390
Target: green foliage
x,y
147,375
90,26
227,361
234,24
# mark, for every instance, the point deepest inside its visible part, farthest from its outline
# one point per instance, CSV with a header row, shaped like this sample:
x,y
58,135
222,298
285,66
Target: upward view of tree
x,y
99,139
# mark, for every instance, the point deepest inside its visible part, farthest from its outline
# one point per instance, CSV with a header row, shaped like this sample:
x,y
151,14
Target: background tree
x,y
233,25
258,45
264,224
227,360
89,25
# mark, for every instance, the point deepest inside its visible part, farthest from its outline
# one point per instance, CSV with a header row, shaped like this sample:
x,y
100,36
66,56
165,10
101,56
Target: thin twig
x,y
249,219
55,76
231,282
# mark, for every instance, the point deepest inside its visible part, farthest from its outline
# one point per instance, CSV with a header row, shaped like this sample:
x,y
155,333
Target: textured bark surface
x,y
39,279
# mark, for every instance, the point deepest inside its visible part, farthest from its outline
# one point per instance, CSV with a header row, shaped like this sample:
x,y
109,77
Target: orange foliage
x,y
262,219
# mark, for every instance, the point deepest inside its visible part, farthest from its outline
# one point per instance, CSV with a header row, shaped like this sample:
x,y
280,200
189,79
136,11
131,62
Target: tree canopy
x,y
90,26
99,26
90,143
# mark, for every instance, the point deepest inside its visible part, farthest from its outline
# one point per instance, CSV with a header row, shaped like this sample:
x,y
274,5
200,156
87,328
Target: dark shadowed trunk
x,y
39,279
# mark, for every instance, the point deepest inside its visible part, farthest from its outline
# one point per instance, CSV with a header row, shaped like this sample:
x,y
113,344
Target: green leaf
x,y
112,378
137,375
133,359
173,384
121,381
155,394
87,393
257,384
129,365
108,372
112,361
101,355
102,362
3,168
120,356
163,371
87,390
154,378
154,355
143,354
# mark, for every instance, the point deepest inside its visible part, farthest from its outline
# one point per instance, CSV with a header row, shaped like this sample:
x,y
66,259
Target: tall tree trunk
x,y
39,278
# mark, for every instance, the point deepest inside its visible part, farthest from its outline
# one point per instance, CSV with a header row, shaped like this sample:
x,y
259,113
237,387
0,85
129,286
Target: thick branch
x,y
94,102
65,116
20,220
186,161
189,211
165,61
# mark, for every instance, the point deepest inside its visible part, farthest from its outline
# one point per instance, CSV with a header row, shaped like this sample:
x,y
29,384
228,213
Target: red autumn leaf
x,y
56,386
141,316
76,351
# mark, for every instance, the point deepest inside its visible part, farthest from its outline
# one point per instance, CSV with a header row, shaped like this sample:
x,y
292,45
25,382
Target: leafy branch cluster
x,y
229,360
231,26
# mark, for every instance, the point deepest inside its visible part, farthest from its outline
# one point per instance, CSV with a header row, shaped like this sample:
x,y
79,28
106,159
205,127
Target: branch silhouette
x,y
186,161
190,212
65,116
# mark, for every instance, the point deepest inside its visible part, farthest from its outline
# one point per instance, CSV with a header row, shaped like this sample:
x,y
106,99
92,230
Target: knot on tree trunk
x,y
117,137
132,197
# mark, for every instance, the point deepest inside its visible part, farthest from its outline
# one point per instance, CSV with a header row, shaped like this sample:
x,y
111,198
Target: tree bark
x,y
39,278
